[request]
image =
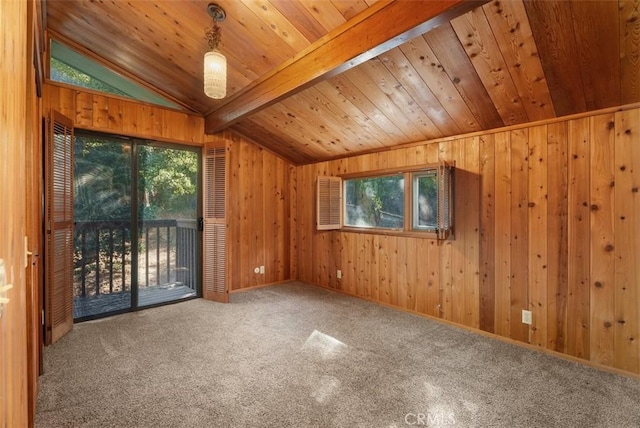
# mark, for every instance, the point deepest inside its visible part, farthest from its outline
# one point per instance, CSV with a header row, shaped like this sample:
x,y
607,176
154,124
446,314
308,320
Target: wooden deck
x,y
147,296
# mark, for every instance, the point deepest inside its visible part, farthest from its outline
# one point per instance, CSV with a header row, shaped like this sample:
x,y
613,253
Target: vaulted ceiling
x,y
315,80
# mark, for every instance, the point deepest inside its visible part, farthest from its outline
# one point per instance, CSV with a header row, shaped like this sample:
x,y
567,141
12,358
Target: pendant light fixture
x,y
215,64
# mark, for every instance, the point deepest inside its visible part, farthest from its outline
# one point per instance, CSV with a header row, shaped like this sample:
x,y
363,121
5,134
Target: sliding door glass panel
x,y
167,247
102,216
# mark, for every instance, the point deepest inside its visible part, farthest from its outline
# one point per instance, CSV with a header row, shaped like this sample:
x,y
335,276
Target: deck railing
x,y
167,255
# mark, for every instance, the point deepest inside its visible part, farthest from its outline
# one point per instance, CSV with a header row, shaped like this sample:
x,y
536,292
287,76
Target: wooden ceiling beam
x,y
381,27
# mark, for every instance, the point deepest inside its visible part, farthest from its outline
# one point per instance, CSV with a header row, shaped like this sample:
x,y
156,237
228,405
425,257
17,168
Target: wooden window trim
x,y
388,171
391,232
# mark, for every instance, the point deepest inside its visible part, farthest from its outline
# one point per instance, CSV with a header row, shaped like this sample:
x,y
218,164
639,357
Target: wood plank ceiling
x,y
502,63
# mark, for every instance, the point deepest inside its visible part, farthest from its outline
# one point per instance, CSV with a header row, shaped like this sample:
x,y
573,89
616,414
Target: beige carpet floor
x,y
299,356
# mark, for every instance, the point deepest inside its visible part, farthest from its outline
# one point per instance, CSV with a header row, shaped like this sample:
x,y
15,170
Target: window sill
x,y
391,232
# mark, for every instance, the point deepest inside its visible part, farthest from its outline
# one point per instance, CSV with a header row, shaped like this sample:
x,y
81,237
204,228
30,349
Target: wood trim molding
x,y
388,171
361,38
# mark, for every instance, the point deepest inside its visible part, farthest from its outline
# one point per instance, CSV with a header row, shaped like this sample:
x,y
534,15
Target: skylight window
x,y
68,66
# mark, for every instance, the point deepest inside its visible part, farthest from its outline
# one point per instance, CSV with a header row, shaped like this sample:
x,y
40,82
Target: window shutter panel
x,y
329,203
445,201
59,216
215,228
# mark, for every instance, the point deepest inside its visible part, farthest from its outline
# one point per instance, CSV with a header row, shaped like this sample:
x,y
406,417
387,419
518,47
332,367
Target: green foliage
x,y
102,170
61,72
375,202
167,182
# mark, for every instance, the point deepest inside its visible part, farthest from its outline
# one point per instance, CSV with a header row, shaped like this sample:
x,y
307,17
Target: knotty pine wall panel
x,y
259,214
547,219
114,115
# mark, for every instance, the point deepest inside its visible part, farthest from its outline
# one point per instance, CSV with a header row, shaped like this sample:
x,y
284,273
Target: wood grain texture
x,y
96,112
529,199
537,226
14,104
426,63
602,206
557,235
629,33
596,30
511,28
259,214
480,45
579,237
626,352
455,62
487,233
471,232
557,48
519,244
503,239
407,76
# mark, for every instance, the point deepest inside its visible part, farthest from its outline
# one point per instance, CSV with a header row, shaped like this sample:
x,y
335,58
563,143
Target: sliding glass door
x,y
129,255
168,226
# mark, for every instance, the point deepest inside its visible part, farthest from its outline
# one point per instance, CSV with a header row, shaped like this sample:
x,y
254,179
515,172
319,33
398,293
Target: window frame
x,y
409,214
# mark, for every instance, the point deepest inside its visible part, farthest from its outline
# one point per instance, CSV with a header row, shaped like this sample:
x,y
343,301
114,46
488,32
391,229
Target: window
x,y
425,200
415,201
375,202
71,67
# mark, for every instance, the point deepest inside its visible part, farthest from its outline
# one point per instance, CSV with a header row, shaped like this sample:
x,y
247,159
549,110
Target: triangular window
x,y
73,68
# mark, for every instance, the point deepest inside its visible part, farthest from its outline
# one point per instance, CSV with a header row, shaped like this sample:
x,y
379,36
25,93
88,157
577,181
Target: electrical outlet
x,y
262,270
339,274
526,317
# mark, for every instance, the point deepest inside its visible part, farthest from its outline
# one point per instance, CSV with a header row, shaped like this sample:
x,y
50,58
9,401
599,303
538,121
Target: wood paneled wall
x,y
547,219
102,113
13,140
259,212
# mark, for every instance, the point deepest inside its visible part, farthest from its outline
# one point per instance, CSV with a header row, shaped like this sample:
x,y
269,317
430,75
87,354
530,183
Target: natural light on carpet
x,y
326,346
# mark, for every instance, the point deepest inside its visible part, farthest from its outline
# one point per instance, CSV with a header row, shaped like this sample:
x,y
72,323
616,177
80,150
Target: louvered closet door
x,y
215,228
59,223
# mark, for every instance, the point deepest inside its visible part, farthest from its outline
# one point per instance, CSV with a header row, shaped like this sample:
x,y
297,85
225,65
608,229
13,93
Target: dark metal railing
x,y
167,254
